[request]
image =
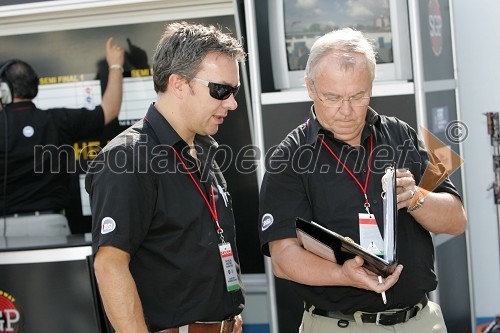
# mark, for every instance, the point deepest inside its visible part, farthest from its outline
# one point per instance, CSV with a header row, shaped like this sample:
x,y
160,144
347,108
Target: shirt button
x,y
364,170
375,201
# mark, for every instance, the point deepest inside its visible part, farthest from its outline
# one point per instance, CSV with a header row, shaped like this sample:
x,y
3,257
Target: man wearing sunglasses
x,y
330,170
163,228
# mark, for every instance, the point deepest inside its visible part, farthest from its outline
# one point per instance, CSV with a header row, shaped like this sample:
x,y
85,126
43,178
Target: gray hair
x,y
344,43
183,47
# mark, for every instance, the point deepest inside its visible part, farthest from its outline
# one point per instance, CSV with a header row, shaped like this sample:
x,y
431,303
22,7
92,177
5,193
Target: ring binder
x,y
337,248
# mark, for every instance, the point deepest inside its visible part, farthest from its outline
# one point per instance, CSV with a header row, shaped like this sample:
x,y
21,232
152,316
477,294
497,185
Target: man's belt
x,y
37,213
389,317
225,326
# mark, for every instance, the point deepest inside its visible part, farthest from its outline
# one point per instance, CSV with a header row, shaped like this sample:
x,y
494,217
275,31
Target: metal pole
x,y
254,70
493,119
462,173
418,81
244,76
418,65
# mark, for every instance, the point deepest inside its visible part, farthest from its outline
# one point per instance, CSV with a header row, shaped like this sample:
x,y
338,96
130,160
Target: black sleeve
x,y
122,201
282,198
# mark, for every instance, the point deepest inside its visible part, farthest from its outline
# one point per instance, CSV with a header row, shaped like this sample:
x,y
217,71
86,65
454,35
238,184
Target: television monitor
x,y
294,26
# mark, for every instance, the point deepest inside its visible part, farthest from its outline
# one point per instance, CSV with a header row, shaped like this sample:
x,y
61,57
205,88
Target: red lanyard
x,y
211,205
363,188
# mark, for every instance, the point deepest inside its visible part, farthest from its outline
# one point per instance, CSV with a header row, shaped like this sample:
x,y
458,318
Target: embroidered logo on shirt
x,y
267,220
107,225
28,131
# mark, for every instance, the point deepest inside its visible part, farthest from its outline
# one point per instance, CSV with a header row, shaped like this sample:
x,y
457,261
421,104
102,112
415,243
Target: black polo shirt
x,y
39,153
303,179
160,218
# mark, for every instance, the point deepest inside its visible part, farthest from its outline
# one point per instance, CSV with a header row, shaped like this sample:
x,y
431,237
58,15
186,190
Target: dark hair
x,y
183,47
22,78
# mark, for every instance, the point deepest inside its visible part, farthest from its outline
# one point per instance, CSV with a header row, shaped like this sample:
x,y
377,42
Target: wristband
x,y
116,66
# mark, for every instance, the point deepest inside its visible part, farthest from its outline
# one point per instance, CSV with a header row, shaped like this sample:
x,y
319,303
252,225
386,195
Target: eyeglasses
x,y
218,90
337,102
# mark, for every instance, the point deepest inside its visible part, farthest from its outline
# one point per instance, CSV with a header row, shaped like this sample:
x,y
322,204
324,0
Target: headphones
x,y
6,90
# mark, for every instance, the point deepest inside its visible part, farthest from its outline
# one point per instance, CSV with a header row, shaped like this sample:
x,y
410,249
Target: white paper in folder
x,y
390,210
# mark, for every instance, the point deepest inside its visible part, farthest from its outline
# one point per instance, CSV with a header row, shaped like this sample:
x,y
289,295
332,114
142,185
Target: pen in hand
x,y
384,298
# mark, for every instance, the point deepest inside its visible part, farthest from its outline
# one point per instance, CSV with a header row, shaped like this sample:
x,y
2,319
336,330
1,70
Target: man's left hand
x,y
405,187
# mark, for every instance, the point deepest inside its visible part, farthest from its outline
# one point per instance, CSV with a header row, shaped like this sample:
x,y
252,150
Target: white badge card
x,y
369,234
229,267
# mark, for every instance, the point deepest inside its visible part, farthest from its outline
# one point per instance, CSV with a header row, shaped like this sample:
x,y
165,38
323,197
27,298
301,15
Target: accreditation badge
x,y
369,234
229,267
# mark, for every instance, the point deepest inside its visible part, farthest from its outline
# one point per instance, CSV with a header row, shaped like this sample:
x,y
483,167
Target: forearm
x,y
118,290
292,262
112,98
441,213
121,301
297,264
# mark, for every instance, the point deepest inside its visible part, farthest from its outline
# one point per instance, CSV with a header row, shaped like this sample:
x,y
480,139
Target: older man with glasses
x,y
330,170
163,227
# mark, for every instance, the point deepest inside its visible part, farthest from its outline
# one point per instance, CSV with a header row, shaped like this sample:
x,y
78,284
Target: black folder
x,y
337,248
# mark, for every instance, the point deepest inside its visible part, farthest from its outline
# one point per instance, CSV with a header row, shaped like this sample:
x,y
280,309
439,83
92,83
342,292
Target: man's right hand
x,y
361,277
115,54
292,262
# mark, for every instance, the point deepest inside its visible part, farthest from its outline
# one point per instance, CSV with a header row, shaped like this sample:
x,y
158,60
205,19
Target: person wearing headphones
x,y
35,147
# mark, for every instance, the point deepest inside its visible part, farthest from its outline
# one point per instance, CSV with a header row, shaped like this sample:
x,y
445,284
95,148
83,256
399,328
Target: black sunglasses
x,y
218,90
